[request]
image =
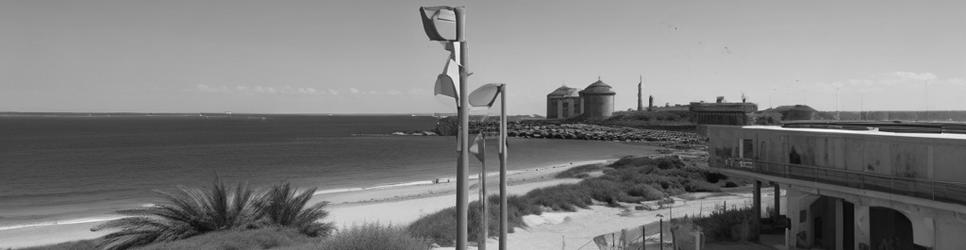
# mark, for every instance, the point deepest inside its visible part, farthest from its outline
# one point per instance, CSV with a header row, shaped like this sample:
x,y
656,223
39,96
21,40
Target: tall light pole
x,y
481,242
485,96
446,24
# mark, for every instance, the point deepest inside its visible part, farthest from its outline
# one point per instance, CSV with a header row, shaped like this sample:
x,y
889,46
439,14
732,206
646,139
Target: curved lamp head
x,y
439,22
485,95
448,83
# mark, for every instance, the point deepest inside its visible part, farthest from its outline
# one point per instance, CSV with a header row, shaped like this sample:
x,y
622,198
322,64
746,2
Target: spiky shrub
x,y
182,214
284,206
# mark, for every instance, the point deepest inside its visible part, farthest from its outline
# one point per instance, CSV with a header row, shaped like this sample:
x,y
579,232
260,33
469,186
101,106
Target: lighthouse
x,y
640,88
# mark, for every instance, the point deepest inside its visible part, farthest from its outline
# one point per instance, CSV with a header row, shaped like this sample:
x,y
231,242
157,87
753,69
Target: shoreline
x,y
348,206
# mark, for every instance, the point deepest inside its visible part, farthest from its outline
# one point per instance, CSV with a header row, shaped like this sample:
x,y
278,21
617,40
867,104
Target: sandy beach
x,y
396,205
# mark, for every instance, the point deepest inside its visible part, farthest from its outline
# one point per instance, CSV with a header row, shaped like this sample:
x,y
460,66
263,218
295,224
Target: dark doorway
x,y
823,223
794,158
848,225
889,229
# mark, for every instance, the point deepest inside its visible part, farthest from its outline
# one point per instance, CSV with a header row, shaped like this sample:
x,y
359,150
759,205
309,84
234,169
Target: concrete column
x,y
756,213
839,224
778,197
923,229
793,207
862,228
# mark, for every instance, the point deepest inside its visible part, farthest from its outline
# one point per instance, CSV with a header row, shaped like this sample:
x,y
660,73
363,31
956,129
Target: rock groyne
x,y
572,131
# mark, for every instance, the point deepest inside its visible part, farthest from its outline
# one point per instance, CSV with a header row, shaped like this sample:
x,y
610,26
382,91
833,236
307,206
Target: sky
x,y
360,56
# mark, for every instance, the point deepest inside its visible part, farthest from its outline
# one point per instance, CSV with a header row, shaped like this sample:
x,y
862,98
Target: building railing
x,y
943,191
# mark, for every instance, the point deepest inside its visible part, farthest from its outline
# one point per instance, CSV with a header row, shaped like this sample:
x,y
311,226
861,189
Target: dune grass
x,y
580,171
367,237
628,180
73,245
263,238
724,224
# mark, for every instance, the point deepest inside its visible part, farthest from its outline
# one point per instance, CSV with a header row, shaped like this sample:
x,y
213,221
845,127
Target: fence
x,y
647,235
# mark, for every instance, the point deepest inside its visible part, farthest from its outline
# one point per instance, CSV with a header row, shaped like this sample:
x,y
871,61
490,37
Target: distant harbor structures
x,y
563,103
595,102
723,113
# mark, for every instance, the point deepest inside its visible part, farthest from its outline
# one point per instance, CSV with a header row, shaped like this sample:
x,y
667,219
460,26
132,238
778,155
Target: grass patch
x,y
73,245
440,227
266,238
580,172
726,224
368,237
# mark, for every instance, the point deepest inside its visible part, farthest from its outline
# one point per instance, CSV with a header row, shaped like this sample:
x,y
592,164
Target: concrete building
x,y
855,186
598,101
723,113
564,103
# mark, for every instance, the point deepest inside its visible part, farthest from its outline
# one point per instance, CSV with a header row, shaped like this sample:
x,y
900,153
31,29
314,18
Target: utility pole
x,y
483,215
462,187
503,161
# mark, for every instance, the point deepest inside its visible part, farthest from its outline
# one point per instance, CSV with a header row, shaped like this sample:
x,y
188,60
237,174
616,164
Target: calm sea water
x,y
62,169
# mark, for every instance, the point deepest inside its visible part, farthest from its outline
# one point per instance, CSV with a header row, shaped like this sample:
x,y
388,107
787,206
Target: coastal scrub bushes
x,y
580,171
367,237
628,180
439,227
724,224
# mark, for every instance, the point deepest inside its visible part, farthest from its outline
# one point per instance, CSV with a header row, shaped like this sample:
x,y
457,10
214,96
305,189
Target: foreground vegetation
x,y
628,180
238,218
194,211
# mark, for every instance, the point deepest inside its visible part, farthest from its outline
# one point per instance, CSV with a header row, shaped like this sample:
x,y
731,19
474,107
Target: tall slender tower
x,y
640,101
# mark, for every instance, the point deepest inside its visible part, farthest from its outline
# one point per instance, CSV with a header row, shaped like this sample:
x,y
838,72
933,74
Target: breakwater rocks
x,y
574,131
597,132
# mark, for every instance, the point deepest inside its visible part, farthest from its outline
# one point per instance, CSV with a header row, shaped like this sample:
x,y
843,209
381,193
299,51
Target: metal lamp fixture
x,y
485,96
445,24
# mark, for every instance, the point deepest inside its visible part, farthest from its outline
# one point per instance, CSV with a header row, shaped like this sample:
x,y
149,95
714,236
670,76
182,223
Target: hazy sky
x,y
358,56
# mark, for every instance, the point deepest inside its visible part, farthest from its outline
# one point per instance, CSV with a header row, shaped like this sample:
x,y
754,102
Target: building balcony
x,y
941,191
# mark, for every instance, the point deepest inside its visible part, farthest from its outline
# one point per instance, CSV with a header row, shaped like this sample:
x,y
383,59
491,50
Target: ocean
x,y
69,168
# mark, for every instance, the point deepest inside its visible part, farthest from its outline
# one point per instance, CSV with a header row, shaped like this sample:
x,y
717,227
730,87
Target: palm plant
x,y
284,206
182,214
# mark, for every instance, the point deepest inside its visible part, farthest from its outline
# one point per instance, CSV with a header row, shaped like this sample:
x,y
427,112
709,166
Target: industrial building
x,y
564,103
723,113
594,102
855,185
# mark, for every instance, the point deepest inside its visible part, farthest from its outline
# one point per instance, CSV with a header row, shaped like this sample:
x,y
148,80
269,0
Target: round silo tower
x,y
598,101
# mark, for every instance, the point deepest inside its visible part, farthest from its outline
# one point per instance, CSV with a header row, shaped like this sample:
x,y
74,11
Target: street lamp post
x,y
481,242
503,194
485,96
446,24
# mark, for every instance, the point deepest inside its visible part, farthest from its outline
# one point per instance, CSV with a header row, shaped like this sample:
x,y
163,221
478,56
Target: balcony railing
x,y
944,191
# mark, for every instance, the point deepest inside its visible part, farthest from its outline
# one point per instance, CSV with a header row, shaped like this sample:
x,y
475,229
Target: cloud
x,y
956,81
212,89
257,90
295,90
888,80
926,76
